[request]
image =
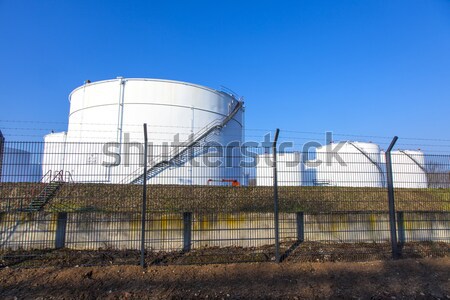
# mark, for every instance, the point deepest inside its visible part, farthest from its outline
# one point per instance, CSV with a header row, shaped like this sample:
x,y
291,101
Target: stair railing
x,y
217,124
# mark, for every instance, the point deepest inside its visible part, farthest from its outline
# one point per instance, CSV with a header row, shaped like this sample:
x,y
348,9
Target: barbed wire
x,y
266,130
299,138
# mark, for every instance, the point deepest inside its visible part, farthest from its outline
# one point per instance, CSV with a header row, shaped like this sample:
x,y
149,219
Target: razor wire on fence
x,y
82,203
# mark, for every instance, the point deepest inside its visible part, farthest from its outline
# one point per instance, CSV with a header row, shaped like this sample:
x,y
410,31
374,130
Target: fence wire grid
x,y
82,204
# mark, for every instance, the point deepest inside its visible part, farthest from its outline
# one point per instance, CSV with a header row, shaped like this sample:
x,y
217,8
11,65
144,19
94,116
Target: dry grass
x,y
176,198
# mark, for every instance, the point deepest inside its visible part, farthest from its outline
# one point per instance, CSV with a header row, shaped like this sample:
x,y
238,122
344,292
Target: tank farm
x,y
164,167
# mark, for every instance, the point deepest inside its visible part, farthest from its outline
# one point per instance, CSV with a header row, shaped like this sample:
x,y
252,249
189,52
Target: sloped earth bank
x,y
427,278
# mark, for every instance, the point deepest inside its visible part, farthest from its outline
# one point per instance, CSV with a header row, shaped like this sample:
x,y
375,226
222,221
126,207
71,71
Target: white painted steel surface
x,y
408,169
113,111
54,153
289,169
359,165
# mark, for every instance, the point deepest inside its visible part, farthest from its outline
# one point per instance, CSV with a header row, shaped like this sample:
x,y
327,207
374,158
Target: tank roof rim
x,y
155,80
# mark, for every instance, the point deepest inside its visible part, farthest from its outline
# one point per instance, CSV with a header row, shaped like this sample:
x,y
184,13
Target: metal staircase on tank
x,y
376,164
185,151
48,192
413,160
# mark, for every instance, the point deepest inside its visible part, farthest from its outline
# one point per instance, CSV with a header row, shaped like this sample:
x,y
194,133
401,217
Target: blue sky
x,y
356,67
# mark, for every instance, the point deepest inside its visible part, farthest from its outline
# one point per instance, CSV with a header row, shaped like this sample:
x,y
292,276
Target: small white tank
x,y
289,169
352,164
55,143
408,168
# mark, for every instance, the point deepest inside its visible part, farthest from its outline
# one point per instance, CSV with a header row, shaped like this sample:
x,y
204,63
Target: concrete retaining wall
x,y
166,231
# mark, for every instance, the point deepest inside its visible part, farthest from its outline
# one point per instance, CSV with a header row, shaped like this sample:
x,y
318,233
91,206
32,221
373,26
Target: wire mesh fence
x,y
81,203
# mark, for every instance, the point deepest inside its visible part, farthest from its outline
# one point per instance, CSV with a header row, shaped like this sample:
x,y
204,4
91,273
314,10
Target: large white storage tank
x,y
106,116
408,169
358,166
289,169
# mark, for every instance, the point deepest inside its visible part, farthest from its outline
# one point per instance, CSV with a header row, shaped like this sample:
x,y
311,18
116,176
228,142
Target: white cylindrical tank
x,y
106,123
408,169
288,165
54,154
352,164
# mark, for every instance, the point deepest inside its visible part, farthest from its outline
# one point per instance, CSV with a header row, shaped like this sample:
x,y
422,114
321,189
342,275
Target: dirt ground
x,y
426,278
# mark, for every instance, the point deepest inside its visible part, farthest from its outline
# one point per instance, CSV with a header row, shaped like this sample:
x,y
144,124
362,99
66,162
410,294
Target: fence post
x,y
60,234
144,199
187,231
391,199
300,218
275,198
2,150
401,229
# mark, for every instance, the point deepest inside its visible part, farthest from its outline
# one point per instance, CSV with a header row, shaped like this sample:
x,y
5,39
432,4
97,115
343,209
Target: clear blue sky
x,y
360,67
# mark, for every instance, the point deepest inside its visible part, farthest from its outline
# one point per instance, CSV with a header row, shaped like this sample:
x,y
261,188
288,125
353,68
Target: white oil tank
x,y
408,169
54,154
106,123
288,165
352,164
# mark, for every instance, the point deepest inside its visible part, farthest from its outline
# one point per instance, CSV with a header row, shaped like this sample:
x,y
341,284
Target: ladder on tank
x,y
377,165
194,147
413,160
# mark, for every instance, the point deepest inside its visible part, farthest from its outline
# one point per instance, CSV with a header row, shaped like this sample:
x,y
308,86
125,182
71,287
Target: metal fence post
x,y
60,234
300,218
391,199
401,228
187,231
275,198
144,198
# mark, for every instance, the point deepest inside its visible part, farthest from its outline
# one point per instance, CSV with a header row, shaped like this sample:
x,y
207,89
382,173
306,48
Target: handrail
x,y
414,161
161,158
59,175
370,159
49,172
203,133
54,176
68,177
43,177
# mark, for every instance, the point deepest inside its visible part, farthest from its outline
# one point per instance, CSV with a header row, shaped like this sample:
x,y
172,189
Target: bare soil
x,y
289,252
426,278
